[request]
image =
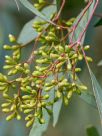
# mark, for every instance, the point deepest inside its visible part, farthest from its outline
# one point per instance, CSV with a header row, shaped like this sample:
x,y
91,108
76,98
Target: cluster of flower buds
x,y
28,84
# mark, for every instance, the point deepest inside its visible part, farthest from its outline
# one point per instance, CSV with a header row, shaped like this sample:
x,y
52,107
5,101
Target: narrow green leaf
x,y
29,6
56,111
97,93
92,131
99,23
28,33
88,98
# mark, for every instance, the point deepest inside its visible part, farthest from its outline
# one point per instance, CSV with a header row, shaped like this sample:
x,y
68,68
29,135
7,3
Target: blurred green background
x,y
78,115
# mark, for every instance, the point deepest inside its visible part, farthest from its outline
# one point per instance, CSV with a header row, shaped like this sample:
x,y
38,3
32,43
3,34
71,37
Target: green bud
x,y
67,49
10,117
36,73
28,88
58,93
5,95
7,47
13,107
37,6
89,59
26,97
41,121
6,110
59,64
61,49
2,88
87,47
43,104
26,65
77,69
12,38
27,111
66,101
74,56
14,47
16,52
29,117
48,88
41,1
69,23
12,72
27,71
82,87
18,117
80,57
69,66
46,96
5,105
52,55
52,34
69,95
7,67
30,123
39,105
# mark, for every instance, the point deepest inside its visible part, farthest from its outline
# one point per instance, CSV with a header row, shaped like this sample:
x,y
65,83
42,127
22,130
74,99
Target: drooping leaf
x,y
28,33
97,92
99,23
88,98
29,6
56,111
92,131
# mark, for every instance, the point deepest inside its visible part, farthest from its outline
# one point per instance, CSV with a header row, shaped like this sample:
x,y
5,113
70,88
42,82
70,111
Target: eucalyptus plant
x,y
48,75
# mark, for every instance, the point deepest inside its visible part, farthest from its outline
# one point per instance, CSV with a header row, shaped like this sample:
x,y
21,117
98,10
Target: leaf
x,y
29,6
97,92
92,131
99,23
81,26
88,98
100,63
56,111
28,33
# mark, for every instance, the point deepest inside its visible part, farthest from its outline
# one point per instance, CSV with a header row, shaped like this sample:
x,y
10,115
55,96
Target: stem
x,y
82,34
60,10
84,11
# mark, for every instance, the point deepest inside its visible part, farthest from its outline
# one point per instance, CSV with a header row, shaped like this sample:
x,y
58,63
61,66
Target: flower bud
x,y
12,38
10,117
30,123
7,47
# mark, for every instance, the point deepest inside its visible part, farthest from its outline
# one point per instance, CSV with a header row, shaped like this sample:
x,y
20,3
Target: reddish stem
x,y
93,11
84,11
61,8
